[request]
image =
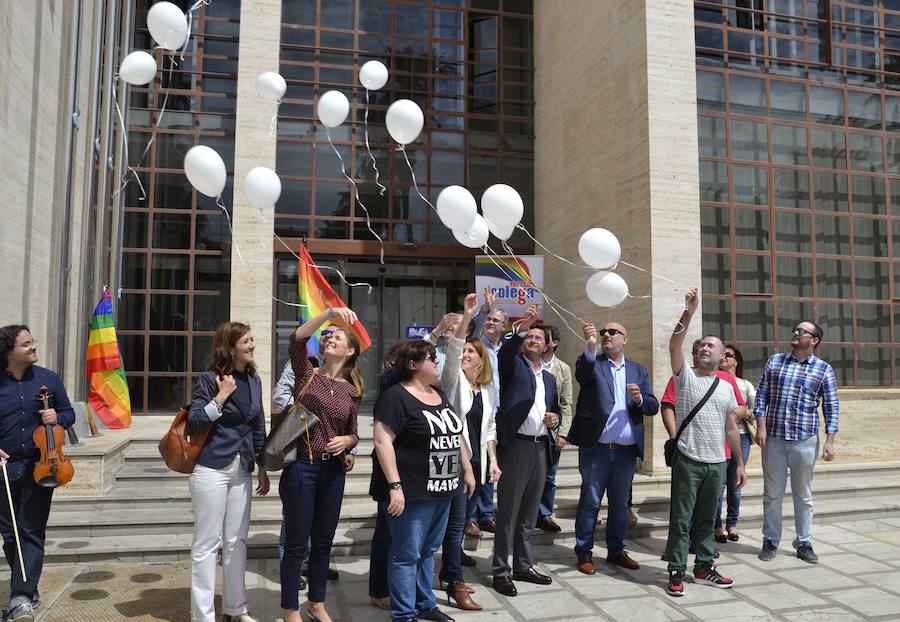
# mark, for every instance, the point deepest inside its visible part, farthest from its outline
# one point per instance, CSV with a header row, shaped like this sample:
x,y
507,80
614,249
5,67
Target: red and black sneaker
x,y
713,578
676,583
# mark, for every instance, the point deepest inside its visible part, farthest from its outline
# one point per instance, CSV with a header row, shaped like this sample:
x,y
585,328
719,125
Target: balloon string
x,y
161,112
339,273
290,304
358,199
234,243
190,21
130,170
536,241
368,148
402,149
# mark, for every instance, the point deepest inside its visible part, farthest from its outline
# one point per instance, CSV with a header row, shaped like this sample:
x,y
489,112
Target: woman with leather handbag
x,y
312,487
227,398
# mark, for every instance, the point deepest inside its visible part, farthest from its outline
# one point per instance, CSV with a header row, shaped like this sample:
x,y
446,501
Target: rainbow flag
x,y
510,269
315,292
109,391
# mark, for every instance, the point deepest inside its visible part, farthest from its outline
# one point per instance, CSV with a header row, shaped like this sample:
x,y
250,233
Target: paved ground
x,y
858,578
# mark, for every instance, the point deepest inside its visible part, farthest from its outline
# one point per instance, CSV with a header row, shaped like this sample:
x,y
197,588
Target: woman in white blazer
x,y
467,381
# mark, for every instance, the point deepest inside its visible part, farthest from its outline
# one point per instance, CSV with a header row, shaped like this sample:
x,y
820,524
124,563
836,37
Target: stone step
x,y
355,540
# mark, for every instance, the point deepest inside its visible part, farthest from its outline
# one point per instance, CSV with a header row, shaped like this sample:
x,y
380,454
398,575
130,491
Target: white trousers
x,y
221,499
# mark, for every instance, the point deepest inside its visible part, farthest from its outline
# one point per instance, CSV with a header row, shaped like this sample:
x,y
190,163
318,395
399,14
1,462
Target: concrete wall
x,y
616,147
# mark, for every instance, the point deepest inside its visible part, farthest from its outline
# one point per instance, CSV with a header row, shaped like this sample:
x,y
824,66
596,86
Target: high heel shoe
x,y
462,594
309,617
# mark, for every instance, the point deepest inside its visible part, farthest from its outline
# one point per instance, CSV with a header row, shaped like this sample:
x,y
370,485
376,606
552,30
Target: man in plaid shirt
x,y
787,413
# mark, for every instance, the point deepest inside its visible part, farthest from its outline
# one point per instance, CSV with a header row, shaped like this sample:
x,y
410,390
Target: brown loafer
x,y
546,523
621,559
472,530
489,525
586,565
532,576
505,586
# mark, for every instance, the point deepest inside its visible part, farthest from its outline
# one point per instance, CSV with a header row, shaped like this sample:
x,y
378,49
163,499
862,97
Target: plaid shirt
x,y
789,394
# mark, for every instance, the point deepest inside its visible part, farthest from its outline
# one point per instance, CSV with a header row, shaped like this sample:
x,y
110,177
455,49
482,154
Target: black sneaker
x,y
435,614
676,583
806,553
767,552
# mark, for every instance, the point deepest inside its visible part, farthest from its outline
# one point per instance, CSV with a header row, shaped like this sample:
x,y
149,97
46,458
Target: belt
x,y
538,438
318,457
613,445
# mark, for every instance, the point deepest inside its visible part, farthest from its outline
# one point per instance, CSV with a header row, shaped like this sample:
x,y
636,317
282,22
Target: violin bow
x,y
12,514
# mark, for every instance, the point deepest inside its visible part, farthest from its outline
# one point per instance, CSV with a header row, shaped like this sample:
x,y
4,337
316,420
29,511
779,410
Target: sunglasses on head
x,y
612,332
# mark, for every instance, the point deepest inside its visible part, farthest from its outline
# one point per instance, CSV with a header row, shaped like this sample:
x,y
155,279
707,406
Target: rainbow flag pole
x,y
315,292
109,396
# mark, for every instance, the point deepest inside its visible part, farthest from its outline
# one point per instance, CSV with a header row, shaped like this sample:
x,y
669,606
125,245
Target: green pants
x,y
695,494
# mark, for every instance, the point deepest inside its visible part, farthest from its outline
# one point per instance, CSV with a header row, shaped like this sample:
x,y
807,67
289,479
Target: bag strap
x,y
297,403
696,409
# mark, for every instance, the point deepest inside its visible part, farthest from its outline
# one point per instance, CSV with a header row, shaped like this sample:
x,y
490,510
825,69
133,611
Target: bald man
x,y
608,429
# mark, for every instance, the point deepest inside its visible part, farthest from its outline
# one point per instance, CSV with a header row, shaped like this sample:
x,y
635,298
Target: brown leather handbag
x,y
179,448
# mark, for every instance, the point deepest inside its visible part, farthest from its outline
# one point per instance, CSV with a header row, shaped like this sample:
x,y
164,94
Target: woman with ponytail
x,y
312,488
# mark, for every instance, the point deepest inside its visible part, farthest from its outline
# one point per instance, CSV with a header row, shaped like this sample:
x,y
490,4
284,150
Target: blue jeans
x,y
545,509
778,456
609,470
311,494
452,550
731,489
415,536
481,505
379,554
32,504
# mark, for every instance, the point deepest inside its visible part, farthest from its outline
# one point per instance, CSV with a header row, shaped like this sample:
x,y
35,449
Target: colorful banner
x,y
512,281
315,292
109,396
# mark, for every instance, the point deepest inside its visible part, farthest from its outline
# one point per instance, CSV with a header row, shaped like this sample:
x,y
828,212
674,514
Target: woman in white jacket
x,y
467,381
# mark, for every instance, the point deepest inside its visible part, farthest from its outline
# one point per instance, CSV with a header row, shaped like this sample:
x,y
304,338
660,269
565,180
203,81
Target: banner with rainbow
x,y
315,292
512,280
109,396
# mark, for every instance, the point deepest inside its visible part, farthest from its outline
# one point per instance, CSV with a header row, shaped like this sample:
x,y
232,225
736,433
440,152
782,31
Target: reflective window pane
x,y
866,153
872,280
754,320
749,141
716,271
868,195
710,91
836,320
873,366
794,276
167,394
753,274
829,149
864,109
833,278
790,313
791,188
711,136
830,192
746,95
713,181
870,237
751,185
751,229
792,232
832,235
826,105
717,318
788,99
789,144
714,227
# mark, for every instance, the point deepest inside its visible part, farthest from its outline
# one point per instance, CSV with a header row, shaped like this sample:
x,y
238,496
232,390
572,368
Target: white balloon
x,y
262,187
599,248
476,236
373,75
138,68
205,170
404,121
501,233
457,208
502,205
606,289
333,108
168,26
270,86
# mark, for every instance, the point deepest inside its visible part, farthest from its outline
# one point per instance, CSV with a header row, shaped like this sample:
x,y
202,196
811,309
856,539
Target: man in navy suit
x,y
528,411
608,429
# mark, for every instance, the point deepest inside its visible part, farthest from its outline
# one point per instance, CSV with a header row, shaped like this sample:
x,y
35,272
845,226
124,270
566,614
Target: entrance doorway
x,y
403,293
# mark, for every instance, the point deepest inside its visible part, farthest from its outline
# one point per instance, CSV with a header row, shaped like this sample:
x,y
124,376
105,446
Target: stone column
x,y
251,277
616,147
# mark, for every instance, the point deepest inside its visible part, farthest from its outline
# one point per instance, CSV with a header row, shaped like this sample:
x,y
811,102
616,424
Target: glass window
x,y
866,153
868,195
135,230
872,280
751,185
447,168
754,320
333,199
829,149
790,313
833,278
791,188
212,273
296,197
895,226
787,99
789,144
710,91
892,113
375,16
873,365
517,32
751,229
169,271
171,230
716,271
714,227
753,274
832,235
167,394
717,318
412,21
792,232
794,276
328,164
131,312
893,154
873,323
171,191
209,312
836,320
870,237
373,200
711,136
134,270
749,141
747,95
132,352
830,192
339,14
864,109
826,105
168,312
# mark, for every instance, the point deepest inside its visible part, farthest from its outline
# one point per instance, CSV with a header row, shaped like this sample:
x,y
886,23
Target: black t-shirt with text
x,y
427,445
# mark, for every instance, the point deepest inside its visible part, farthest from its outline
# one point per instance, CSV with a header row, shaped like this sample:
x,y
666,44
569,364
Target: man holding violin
x,y
21,413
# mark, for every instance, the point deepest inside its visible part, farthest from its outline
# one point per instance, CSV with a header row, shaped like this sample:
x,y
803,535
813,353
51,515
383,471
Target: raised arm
x,y
676,341
584,366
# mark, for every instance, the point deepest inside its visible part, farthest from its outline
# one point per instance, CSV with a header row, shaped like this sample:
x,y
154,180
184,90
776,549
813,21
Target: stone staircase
x,y
146,513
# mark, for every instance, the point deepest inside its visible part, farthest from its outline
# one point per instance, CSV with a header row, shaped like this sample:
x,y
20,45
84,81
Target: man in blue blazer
x,y
527,415
608,429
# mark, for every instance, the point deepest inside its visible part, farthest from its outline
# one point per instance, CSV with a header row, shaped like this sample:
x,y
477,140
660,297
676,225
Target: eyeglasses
x,y
610,331
28,344
800,331
730,355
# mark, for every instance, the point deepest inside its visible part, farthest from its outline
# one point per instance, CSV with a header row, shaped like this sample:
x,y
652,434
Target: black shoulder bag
x,y
672,443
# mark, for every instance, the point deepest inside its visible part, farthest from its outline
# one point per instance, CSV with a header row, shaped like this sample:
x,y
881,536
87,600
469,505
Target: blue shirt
x,y
19,416
789,395
618,426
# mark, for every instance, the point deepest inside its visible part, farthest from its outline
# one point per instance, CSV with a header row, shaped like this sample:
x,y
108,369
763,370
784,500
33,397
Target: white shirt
x,y
534,423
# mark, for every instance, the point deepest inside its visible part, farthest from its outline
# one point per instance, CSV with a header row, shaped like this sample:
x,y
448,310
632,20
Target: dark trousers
x,y
610,470
451,560
379,553
32,504
481,505
545,509
311,493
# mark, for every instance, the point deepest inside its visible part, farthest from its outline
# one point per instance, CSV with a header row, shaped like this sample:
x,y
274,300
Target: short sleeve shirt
x,y
704,438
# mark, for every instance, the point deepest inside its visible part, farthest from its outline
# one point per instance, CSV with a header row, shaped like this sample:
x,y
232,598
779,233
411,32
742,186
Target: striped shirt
x,y
789,394
703,439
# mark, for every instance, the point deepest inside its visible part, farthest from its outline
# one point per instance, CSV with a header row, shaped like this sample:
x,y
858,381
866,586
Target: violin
x,y
54,468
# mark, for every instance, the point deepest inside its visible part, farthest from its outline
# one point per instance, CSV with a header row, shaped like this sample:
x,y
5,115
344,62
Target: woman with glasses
x,y
468,381
733,364
420,464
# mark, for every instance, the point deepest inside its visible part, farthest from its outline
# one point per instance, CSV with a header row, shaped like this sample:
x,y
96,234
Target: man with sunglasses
x,y
608,429
787,415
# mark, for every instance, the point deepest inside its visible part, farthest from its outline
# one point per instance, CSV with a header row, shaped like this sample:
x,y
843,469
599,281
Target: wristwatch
x,y
394,485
